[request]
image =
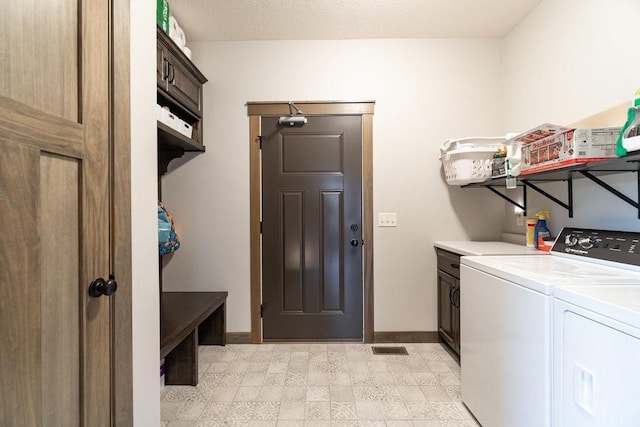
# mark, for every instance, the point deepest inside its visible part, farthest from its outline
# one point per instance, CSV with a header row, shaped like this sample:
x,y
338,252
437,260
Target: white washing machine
x,y
506,320
596,355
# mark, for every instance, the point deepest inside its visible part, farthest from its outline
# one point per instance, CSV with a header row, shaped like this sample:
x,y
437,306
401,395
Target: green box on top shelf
x,y
162,15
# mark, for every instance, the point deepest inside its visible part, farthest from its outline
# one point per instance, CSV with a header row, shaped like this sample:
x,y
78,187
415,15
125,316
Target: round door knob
x,y
354,242
100,287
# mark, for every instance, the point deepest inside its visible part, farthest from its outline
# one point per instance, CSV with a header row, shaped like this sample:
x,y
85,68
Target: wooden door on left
x,y
55,212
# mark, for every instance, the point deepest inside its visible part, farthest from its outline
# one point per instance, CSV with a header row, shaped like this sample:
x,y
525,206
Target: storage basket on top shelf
x,y
468,160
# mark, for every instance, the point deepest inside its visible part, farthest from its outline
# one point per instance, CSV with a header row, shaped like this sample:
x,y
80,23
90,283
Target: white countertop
x,y
467,247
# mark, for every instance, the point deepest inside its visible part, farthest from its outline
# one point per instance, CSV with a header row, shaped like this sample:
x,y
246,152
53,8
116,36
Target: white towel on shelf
x,y
187,52
176,33
173,26
182,36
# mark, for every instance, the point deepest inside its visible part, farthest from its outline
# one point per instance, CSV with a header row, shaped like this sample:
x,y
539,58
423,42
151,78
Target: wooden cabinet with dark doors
x,y
187,319
449,298
180,89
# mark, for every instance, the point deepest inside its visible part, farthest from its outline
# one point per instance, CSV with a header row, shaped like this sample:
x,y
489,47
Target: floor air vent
x,y
389,350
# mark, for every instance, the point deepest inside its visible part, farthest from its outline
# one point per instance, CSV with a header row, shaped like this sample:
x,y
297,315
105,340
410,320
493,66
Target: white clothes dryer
x,y
596,355
506,320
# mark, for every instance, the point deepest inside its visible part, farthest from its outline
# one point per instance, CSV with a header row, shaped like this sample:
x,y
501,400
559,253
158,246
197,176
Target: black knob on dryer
x,y
587,243
570,240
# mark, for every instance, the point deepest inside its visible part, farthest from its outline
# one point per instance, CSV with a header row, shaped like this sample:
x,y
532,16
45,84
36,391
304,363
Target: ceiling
x,y
226,20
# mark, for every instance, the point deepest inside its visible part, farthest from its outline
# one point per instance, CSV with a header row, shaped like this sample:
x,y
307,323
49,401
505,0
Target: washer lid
x,y
621,303
542,273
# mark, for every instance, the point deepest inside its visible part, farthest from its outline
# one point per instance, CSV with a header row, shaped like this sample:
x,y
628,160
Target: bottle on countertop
x,y
542,232
531,232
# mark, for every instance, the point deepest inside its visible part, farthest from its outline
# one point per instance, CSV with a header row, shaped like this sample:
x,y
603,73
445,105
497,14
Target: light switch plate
x,y
387,219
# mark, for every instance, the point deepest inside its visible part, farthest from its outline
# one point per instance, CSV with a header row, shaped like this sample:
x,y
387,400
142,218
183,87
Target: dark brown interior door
x,y
312,229
55,365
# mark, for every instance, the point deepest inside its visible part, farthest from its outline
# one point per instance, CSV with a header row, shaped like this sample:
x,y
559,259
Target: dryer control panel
x,y
615,246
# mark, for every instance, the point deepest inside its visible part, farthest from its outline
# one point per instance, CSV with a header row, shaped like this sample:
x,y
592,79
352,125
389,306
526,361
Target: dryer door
x,y
596,375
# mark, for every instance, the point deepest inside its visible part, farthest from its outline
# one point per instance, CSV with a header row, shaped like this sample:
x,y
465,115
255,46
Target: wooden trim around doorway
x,y
255,111
254,229
367,218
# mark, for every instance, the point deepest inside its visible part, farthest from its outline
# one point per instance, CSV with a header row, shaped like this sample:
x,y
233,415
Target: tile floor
x,y
319,385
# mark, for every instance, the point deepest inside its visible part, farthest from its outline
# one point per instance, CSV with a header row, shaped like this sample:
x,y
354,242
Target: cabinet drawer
x,y
183,86
449,262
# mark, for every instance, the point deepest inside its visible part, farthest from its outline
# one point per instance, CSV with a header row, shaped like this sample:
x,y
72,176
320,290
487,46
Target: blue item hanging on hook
x,y
167,238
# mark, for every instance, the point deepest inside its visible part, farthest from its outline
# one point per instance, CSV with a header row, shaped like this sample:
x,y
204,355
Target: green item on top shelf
x,y
162,15
631,121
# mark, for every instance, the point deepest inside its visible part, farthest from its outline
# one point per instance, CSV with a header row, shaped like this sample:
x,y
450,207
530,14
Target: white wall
x,y
426,91
567,60
145,311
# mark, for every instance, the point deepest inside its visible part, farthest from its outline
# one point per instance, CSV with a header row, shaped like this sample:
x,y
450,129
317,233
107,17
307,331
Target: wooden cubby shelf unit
x,y
187,319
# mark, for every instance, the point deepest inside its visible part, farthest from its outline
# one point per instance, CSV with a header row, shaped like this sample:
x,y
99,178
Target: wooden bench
x,y
188,319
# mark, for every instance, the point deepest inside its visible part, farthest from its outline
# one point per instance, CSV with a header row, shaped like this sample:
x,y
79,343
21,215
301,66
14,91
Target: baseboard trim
x,y
378,337
406,337
238,337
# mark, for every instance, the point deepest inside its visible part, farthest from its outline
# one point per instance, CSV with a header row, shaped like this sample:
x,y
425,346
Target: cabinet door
x,y
162,65
455,316
446,286
183,86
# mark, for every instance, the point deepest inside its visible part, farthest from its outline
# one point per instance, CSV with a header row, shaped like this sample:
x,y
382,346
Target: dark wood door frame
x,y
256,110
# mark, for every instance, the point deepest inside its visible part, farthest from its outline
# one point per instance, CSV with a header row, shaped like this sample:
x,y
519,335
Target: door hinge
x,y
260,140
263,307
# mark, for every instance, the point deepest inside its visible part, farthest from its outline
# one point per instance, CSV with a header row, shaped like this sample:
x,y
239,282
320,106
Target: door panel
x,y
60,216
312,194
55,361
331,271
19,249
292,236
312,153
40,68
